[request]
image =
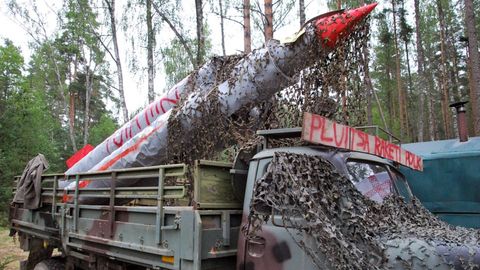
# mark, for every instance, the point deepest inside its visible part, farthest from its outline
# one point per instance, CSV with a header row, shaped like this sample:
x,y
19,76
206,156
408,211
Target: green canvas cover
x,y
449,185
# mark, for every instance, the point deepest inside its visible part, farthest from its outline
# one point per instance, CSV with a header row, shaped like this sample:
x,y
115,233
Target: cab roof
x,y
445,148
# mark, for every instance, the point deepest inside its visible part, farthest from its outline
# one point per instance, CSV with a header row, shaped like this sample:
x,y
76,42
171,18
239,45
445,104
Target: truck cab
x,y
273,248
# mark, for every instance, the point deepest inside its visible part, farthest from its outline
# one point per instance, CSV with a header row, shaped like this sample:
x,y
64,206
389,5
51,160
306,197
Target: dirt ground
x,y
9,251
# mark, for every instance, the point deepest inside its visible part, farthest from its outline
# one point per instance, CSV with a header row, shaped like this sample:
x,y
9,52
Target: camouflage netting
x,y
333,87
349,231
334,80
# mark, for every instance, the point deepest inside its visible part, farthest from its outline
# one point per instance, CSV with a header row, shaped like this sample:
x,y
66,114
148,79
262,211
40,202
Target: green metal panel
x,y
448,185
187,235
213,187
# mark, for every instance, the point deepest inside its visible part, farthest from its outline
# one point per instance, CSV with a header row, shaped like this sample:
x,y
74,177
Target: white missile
x,y
201,80
254,79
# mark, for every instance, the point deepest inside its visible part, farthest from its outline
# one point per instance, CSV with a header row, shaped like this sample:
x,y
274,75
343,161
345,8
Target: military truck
x,y
156,226
157,229
197,217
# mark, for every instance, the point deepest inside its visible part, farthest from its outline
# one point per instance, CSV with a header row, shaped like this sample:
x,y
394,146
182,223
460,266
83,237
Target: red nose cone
x,y
330,29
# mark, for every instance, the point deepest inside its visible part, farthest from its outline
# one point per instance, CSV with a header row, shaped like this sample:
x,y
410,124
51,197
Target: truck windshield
x,y
402,186
371,179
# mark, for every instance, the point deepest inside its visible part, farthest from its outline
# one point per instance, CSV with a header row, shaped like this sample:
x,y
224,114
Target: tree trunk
x,y
457,96
302,12
150,44
421,84
474,61
369,87
88,94
404,130
407,55
432,121
409,72
113,28
446,115
247,38
200,34
268,20
221,26
390,98
339,4
71,119
471,89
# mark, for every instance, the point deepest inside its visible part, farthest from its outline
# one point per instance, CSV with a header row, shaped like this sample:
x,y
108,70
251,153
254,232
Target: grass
x,y
10,253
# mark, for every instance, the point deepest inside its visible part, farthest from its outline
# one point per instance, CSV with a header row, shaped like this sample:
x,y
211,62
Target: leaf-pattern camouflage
x,y
349,231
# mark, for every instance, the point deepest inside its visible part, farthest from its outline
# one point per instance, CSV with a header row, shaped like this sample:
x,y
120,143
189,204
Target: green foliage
x,y
11,63
383,73
176,62
32,106
101,130
26,124
5,261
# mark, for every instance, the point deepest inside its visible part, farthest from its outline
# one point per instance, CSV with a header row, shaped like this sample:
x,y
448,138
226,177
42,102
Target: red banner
x,y
318,129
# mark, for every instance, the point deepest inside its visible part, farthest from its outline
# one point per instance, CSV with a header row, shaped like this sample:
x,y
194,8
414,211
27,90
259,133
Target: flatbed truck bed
x,y
155,229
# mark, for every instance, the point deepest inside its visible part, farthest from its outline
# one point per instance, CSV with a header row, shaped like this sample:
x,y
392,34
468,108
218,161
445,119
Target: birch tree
x,y
200,32
150,48
116,55
247,35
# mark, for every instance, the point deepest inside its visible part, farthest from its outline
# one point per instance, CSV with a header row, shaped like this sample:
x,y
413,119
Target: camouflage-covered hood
x,y
346,230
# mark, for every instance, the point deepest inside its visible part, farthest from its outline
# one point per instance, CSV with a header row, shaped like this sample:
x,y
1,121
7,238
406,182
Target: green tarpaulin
x,y
449,186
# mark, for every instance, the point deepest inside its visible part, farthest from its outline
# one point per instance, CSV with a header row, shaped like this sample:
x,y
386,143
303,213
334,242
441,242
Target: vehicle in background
x,y
448,185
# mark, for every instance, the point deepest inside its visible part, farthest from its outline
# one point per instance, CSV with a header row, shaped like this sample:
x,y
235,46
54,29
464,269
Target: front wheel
x,y
50,264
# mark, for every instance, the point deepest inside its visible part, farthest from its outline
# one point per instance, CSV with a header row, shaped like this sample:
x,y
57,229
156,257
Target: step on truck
x,y
169,224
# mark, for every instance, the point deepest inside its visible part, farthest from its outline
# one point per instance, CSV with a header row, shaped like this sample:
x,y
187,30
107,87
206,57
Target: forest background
x,y
77,80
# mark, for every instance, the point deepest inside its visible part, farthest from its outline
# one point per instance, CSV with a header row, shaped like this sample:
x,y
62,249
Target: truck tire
x,y
50,264
36,255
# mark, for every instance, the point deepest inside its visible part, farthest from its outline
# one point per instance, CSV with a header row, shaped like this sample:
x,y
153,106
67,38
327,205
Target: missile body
x,y
254,79
201,80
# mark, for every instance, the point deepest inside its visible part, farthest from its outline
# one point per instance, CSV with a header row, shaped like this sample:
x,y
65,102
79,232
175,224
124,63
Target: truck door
x,y
272,247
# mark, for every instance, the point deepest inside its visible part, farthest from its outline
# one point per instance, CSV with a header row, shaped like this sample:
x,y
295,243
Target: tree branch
x,y
104,45
228,18
177,34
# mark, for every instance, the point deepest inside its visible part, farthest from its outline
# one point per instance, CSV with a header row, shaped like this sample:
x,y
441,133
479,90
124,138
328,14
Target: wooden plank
x,y
318,129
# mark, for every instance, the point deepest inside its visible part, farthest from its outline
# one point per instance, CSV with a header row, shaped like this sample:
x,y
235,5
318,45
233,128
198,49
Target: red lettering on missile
x,y
138,123
168,100
146,119
120,143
